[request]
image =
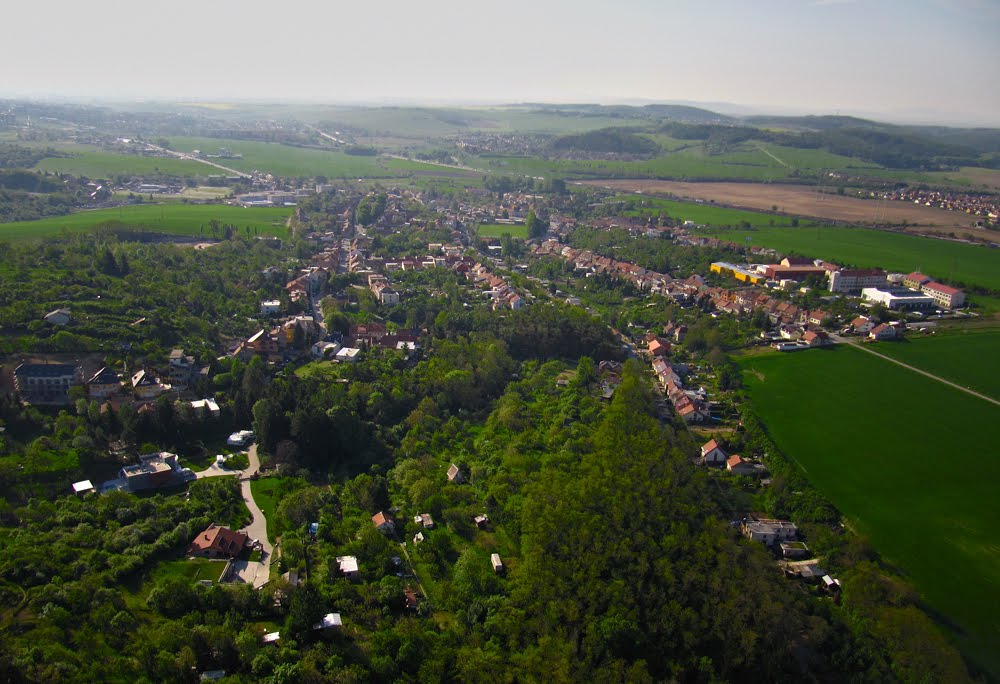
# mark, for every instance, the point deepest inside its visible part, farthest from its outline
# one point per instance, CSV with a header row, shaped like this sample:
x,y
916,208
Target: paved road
x,y
191,157
867,348
250,572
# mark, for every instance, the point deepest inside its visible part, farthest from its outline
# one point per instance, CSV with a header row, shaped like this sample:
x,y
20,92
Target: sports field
x,y
909,461
497,229
946,260
970,357
175,219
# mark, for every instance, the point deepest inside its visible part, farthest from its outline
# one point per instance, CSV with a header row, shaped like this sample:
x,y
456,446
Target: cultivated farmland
x,y
96,162
175,219
708,214
968,356
906,459
946,260
798,200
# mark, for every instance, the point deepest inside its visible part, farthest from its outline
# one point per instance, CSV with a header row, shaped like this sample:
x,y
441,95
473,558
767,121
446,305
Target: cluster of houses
x,y
691,405
289,339
713,455
50,383
588,262
985,207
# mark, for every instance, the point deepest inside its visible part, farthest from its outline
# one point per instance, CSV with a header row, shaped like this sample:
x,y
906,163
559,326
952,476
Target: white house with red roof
x,y
884,331
712,453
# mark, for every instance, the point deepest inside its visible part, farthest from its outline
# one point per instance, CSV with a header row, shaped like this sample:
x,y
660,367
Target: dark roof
x,y
105,376
44,370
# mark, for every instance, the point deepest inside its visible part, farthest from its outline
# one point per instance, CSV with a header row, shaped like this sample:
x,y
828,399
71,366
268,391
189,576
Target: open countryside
x,y
175,219
798,200
902,456
969,356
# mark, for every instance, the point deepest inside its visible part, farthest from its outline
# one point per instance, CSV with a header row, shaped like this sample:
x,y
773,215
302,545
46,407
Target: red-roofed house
x,y
383,522
862,325
815,338
217,541
884,332
737,465
658,348
712,453
944,295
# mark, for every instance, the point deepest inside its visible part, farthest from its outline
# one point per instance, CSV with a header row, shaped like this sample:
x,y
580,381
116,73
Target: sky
x,y
926,60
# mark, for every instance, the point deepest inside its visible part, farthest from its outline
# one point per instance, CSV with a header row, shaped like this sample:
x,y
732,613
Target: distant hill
x,y
606,141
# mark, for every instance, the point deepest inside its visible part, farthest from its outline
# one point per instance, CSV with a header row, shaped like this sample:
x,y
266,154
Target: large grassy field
x,y
942,259
699,212
908,460
497,229
176,219
285,160
94,162
970,357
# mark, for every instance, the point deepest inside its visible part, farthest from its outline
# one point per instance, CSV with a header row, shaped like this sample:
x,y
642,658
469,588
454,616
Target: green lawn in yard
x,y
176,219
496,230
970,357
268,492
907,461
945,260
192,570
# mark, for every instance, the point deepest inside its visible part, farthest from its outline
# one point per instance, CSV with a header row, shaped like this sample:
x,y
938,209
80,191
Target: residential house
x,y
348,354
329,621
57,317
692,413
816,338
217,541
145,386
769,531
45,383
862,325
104,383
83,487
884,331
658,347
712,453
737,465
455,474
153,471
424,519
383,522
182,369
270,307
208,405
348,566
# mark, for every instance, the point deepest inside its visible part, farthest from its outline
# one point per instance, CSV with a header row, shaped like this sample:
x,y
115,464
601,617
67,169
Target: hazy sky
x,y
931,58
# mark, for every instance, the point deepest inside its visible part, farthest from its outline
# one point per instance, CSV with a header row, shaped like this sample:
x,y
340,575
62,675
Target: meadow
x,y
94,162
904,458
176,219
496,230
964,355
267,494
286,160
704,213
946,260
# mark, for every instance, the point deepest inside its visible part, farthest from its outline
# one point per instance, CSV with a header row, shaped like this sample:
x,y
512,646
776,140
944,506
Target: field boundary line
x,y
925,373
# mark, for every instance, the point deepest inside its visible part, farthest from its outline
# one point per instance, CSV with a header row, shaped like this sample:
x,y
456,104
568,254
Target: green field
x,y
967,356
908,461
699,212
749,161
285,160
175,219
95,162
496,230
952,262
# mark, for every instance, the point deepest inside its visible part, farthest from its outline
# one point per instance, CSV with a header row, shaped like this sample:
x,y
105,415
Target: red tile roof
x,y
943,289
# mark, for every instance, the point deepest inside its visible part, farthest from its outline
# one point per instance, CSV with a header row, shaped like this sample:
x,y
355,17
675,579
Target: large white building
x,y
846,280
898,299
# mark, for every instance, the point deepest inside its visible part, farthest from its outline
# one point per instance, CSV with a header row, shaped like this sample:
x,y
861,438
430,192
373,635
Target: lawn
x,y
176,219
905,458
966,356
268,492
952,262
496,230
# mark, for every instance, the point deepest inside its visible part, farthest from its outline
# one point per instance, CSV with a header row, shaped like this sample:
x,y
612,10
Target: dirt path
x,y
868,349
